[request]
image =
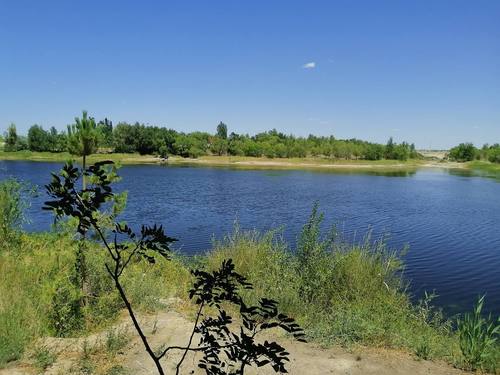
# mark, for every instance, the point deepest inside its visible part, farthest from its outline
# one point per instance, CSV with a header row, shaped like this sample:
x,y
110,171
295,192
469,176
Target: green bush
x,y
478,336
494,154
116,340
12,206
14,332
463,152
43,358
66,316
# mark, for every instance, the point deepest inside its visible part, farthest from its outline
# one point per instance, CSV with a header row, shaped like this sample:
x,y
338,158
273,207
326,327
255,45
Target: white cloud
x,y
309,65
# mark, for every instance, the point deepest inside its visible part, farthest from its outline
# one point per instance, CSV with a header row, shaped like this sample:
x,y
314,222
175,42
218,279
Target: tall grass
x,y
478,338
39,298
340,292
12,205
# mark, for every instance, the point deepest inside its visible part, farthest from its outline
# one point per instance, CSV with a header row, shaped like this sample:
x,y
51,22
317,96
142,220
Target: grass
x,y
116,340
355,296
341,293
43,358
36,291
478,337
345,294
485,168
62,157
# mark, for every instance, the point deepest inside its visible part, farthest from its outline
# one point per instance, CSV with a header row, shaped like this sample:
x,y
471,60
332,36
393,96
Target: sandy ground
x,y
438,154
256,163
276,163
173,329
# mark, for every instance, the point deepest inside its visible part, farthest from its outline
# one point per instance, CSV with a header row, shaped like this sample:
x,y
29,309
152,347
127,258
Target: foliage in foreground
x,y
225,350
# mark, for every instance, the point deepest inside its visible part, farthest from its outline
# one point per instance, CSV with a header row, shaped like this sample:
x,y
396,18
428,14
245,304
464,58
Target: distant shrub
x,y
494,154
463,152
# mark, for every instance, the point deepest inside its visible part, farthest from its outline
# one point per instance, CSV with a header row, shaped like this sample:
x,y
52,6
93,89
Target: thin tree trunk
x,y
84,165
81,265
82,248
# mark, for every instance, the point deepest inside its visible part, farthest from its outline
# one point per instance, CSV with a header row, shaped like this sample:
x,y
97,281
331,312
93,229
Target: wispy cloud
x,y
309,65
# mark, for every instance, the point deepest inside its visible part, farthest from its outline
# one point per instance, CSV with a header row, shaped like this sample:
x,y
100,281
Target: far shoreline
x,y
243,162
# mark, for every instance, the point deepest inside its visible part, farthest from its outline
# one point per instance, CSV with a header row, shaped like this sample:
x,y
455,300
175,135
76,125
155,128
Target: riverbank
x,y
349,298
122,355
245,162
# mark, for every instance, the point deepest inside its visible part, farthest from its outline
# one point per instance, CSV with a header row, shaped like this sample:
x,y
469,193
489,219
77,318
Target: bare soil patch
x,y
172,328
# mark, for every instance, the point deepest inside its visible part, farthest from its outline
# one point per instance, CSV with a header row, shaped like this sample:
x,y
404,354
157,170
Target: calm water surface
x,y
450,222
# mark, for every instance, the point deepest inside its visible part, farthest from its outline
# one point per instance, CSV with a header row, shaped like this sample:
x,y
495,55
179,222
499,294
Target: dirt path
x,y
173,329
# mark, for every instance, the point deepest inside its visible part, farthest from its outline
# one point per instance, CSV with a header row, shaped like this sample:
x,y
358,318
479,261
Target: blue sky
x,y
423,71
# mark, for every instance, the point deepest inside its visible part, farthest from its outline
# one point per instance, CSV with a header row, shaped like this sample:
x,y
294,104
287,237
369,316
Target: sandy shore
x,y
244,162
172,328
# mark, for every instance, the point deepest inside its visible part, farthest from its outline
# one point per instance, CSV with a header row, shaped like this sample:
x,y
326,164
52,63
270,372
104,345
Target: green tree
x,y
463,152
83,139
389,149
163,151
252,148
145,139
219,146
12,207
124,138
222,130
413,151
56,141
494,153
38,139
182,145
374,152
105,128
11,138
401,151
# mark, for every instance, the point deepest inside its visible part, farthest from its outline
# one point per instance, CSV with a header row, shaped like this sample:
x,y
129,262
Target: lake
x,y
449,220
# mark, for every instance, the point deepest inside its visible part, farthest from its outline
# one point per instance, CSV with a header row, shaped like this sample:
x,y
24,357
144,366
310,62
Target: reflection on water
x,y
474,173
449,220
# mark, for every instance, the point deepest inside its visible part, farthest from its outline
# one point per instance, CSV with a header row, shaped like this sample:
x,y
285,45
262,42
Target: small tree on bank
x,y
11,138
83,139
222,130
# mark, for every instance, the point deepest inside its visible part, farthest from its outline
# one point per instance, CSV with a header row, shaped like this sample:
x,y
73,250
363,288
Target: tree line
x,y
468,152
155,140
